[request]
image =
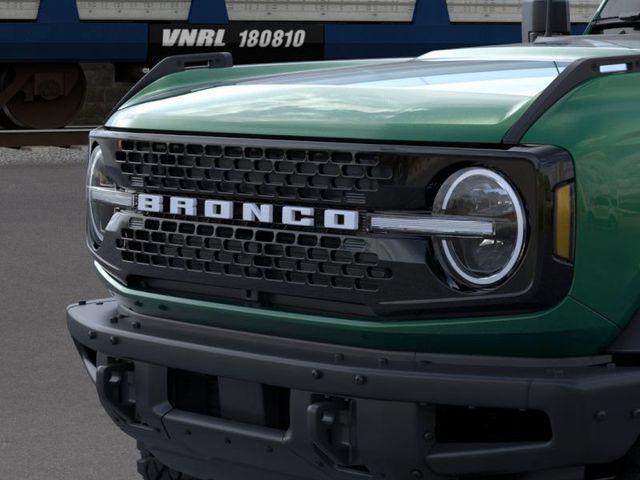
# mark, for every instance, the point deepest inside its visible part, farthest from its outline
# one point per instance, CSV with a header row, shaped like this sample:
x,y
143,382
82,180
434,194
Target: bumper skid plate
x,y
229,405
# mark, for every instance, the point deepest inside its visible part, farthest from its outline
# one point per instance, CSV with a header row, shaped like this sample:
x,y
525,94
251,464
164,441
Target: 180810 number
x,y
272,38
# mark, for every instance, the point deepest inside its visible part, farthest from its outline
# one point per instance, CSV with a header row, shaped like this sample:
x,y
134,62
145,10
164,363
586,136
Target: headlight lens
x,y
103,195
482,260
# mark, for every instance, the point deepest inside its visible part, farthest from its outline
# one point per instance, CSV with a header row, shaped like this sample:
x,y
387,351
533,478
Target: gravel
x,y
43,156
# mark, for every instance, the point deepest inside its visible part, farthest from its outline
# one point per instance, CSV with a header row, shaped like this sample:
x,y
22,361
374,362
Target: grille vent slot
x,y
301,258
240,171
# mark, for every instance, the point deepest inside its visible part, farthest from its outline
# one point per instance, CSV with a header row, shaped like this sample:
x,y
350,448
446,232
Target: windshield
x,y
617,17
617,8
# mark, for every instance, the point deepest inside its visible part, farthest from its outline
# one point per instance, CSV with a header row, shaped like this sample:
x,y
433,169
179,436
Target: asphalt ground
x,y
52,426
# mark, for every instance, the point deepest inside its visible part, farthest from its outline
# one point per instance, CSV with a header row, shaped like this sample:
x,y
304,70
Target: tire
x,y
47,109
6,123
151,469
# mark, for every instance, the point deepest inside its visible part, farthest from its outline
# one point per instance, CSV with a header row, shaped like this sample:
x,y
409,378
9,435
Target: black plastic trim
x,y
175,64
571,77
311,143
590,403
323,140
539,282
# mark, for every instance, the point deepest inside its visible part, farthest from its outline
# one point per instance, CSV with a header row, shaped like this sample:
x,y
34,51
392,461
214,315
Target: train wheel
x,y
41,96
5,122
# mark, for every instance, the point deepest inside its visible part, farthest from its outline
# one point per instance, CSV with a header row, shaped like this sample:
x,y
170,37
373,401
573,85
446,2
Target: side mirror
x,y
545,18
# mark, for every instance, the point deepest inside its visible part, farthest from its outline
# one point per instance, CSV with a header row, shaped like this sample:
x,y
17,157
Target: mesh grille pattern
x,y
273,255
273,173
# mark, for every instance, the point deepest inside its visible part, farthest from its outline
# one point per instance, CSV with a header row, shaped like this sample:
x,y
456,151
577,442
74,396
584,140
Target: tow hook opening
x,y
370,437
115,384
332,426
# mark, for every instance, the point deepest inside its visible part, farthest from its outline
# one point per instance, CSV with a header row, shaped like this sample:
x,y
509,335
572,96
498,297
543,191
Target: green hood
x,y
465,96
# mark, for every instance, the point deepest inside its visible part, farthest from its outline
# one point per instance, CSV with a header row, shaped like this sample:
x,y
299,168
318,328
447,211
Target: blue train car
x,y
42,42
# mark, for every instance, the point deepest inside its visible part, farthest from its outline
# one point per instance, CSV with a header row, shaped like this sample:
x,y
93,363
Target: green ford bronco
x,y
386,269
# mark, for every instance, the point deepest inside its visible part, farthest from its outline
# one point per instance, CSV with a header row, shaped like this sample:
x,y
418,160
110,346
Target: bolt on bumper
x,y
382,405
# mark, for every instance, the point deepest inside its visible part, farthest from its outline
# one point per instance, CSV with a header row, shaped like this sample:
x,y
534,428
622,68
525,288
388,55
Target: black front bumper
x,y
352,412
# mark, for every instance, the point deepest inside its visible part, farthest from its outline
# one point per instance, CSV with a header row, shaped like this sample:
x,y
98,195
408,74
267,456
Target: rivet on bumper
x,y
360,379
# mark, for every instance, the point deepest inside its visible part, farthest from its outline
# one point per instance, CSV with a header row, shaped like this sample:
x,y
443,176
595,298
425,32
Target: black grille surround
x,y
356,274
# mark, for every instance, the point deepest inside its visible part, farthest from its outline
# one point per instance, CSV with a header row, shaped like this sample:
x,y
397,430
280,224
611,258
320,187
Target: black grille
x,y
272,173
354,274
279,256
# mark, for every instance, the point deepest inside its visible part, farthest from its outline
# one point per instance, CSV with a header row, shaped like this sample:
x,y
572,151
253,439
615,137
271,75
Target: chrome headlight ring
x,y
104,196
482,261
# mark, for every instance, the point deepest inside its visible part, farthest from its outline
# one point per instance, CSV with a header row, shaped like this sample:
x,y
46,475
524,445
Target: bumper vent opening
x,y
222,398
456,424
193,392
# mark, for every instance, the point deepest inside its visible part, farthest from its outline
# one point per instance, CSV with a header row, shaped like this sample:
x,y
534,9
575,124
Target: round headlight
x,y
103,195
481,193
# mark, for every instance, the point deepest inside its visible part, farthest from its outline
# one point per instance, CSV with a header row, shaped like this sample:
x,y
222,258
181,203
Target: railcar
x,y
44,42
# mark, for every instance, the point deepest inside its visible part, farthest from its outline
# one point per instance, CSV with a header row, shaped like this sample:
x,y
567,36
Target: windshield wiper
x,y
622,18
631,20
629,17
